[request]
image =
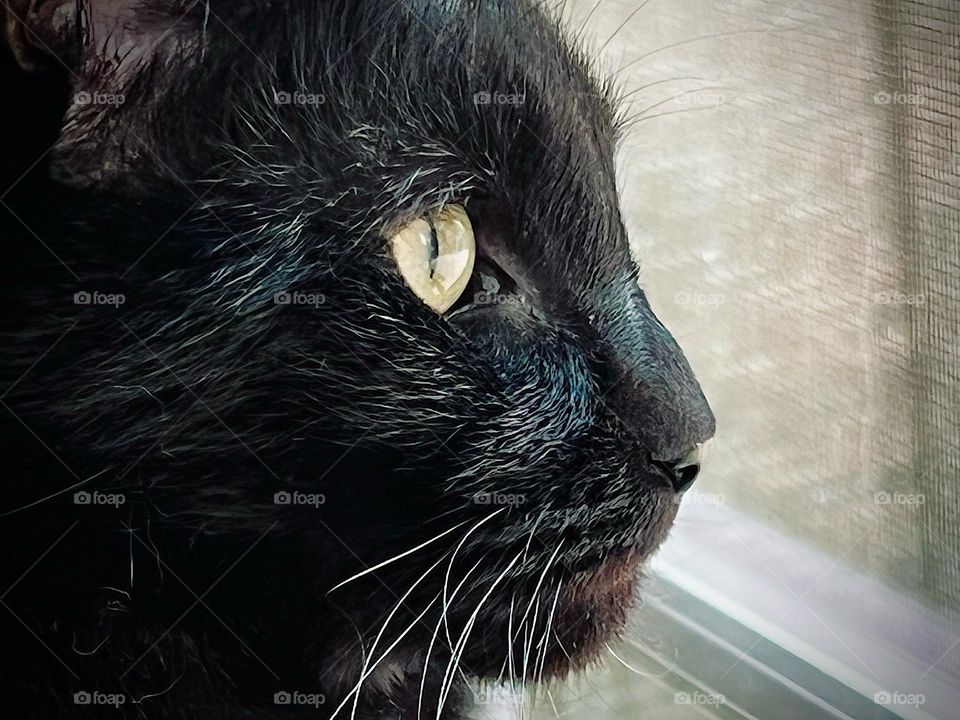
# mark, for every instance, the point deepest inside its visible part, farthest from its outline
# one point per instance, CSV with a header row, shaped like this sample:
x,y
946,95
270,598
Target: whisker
x,y
527,647
622,25
465,635
446,578
364,673
387,652
546,633
543,575
556,714
584,678
510,661
442,621
624,663
674,97
701,38
394,558
586,21
426,663
55,494
648,85
631,121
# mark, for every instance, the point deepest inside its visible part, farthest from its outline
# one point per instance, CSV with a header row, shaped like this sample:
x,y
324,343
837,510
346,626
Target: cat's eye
x,y
435,255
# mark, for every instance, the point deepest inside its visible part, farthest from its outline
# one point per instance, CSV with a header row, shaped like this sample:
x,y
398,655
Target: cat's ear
x,y
118,57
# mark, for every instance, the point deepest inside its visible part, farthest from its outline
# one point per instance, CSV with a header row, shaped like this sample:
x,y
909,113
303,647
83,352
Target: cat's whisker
x,y
527,646
453,664
622,25
545,641
553,704
543,575
443,620
426,665
394,558
510,662
627,124
646,86
584,677
624,662
528,643
447,601
55,494
366,668
672,98
446,578
465,635
527,635
533,531
701,38
578,37
386,653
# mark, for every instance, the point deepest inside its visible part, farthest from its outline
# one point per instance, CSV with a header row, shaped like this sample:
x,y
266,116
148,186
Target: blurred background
x,y
791,182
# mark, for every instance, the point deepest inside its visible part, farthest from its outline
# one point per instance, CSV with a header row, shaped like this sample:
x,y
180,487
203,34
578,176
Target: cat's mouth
x,y
561,619
562,628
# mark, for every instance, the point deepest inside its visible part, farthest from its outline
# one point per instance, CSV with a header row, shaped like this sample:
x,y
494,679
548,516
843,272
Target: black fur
x,y
199,199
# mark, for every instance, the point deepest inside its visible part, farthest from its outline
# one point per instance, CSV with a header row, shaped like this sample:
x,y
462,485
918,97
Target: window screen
x,y
792,186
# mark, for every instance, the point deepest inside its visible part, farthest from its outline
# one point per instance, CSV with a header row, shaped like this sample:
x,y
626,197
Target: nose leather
x,y
684,471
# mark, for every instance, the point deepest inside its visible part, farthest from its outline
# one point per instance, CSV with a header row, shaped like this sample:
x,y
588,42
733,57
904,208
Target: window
x,y
792,186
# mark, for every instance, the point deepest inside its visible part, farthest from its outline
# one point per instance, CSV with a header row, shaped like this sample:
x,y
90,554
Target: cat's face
x,y
534,434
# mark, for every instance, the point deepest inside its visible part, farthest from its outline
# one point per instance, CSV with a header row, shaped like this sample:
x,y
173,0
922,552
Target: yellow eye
x,y
435,255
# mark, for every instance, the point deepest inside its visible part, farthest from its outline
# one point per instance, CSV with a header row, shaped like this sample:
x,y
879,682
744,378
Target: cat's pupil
x,y
434,247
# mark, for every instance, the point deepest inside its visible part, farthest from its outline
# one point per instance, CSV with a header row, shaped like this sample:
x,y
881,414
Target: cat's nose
x,y
655,394
683,471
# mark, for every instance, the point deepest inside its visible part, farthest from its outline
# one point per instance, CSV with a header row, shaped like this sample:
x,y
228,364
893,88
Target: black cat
x,y
328,385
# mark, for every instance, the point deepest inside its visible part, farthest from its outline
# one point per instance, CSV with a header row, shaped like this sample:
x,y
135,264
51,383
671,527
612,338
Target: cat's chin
x,y
574,613
571,628
533,626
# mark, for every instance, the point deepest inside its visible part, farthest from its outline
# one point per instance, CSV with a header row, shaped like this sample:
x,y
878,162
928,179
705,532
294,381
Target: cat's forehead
x,y
523,115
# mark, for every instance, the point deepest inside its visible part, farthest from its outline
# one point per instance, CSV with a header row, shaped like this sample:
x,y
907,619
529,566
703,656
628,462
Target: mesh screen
x,y
792,185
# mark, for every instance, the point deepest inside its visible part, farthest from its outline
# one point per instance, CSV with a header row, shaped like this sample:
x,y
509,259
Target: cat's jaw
x,y
573,618
559,629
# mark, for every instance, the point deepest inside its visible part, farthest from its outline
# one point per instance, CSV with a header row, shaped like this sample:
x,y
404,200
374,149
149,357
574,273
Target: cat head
x,y
274,190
